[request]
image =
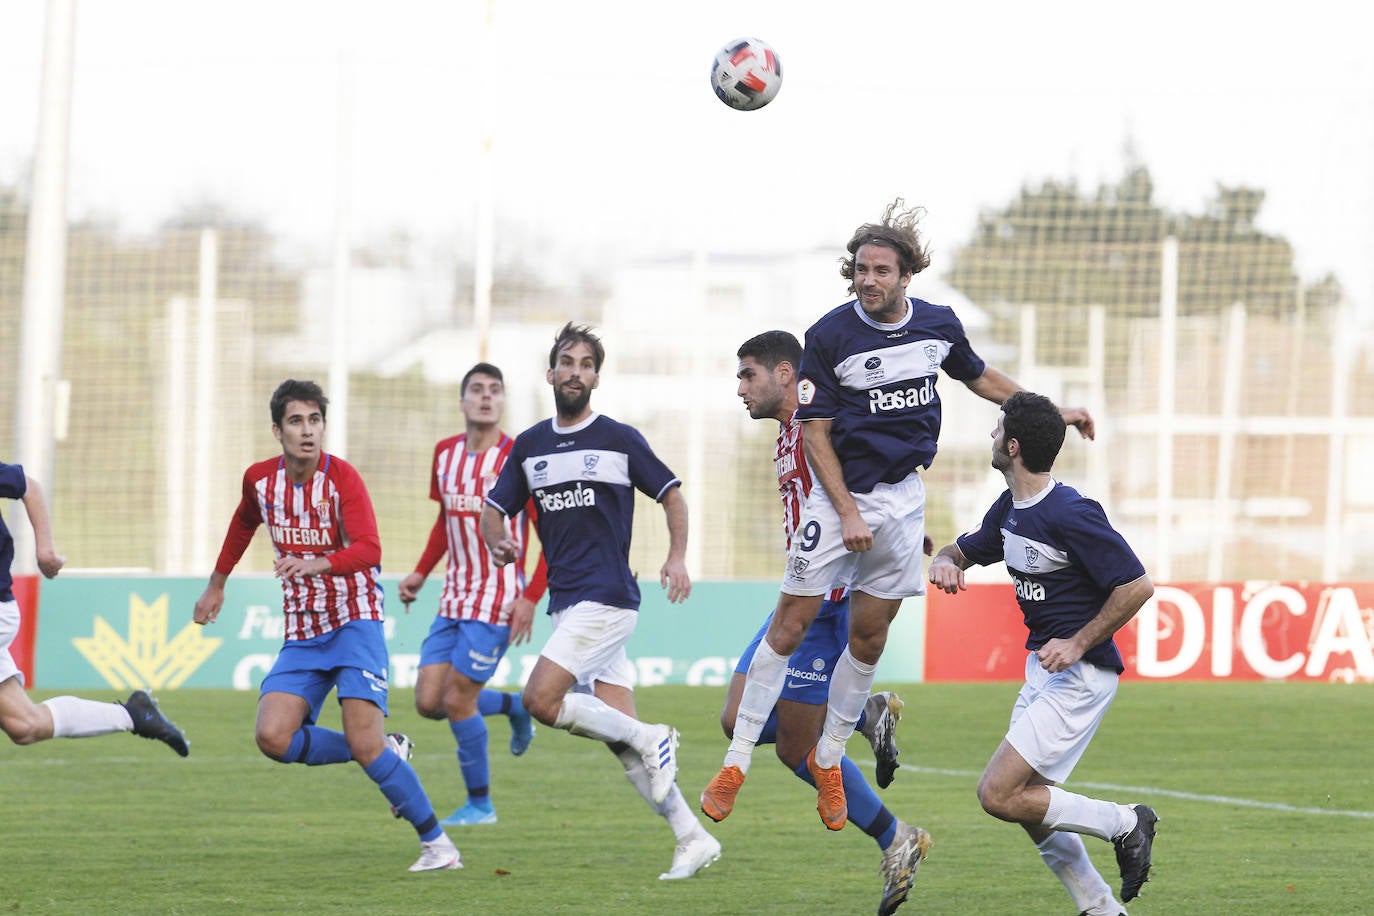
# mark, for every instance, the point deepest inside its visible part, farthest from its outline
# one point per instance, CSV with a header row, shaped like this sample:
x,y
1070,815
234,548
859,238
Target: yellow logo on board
x,y
147,658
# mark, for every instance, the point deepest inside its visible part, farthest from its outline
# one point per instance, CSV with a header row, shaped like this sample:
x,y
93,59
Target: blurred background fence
x,y
1234,397
1235,404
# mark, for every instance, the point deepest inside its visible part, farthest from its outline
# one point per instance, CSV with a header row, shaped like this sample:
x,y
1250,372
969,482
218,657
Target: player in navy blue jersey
x,y
870,423
1077,582
767,384
21,719
582,470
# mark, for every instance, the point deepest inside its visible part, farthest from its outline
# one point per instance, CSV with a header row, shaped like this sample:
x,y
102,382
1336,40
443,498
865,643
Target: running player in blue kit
x,y
1077,582
582,470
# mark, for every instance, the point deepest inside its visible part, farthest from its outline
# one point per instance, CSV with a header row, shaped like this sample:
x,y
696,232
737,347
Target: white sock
x,y
1080,814
1066,856
673,809
849,690
762,687
73,717
583,714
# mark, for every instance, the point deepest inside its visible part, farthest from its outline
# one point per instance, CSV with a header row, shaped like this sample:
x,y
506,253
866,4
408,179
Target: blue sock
x,y
471,735
865,808
402,788
315,746
863,719
769,735
490,702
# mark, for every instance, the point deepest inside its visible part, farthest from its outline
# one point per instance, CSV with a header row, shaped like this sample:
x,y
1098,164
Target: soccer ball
x,y
746,74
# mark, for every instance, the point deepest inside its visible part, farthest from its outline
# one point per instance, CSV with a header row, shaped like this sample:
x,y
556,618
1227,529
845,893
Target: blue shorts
x,y
352,659
473,647
809,668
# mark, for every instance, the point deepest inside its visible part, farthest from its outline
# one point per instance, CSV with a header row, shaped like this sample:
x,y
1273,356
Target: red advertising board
x,y
1187,631
26,596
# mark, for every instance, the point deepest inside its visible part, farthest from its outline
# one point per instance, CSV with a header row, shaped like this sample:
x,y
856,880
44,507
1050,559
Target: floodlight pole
x,y
45,267
484,242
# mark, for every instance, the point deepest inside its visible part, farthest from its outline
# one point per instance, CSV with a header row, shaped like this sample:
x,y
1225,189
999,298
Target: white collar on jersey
x,y
566,430
1027,503
882,326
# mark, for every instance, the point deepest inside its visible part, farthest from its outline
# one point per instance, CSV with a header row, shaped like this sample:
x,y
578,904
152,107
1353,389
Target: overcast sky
x,y
605,128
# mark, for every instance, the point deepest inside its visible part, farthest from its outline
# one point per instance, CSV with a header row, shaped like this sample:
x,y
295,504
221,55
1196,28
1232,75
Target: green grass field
x,y
1265,791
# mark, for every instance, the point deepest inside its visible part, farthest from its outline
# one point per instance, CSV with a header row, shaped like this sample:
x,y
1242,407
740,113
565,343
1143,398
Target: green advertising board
x,y
125,632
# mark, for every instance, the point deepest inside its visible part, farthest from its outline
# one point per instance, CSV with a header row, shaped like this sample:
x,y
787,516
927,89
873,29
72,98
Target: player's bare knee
x,y
995,801
543,709
273,744
22,731
429,710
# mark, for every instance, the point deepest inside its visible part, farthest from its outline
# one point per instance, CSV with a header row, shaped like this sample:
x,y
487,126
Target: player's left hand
x,y
1058,654
673,576
289,567
50,563
1079,419
521,620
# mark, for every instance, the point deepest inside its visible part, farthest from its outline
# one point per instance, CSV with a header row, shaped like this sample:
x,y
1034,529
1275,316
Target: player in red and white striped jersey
x,y
319,515
473,627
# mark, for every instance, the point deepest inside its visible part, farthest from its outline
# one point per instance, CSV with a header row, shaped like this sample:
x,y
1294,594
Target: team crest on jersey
x,y
589,464
322,512
489,480
806,391
1032,557
933,354
875,372
799,565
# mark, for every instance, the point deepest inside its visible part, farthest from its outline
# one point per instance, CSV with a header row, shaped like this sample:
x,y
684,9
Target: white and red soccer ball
x,y
746,74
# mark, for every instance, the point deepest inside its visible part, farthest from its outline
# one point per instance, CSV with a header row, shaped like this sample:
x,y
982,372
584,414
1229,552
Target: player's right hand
x,y
857,536
410,588
946,575
208,606
504,551
50,563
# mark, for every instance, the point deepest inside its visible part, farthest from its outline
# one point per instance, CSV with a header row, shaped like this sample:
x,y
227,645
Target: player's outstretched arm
x,y
947,569
996,386
673,574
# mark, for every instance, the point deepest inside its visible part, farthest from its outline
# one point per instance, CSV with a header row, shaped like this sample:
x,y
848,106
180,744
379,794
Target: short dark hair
x,y
771,348
571,334
1036,424
897,231
295,390
481,369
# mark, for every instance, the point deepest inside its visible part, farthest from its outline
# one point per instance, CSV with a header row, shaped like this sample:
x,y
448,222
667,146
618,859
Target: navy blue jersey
x,y
1064,557
582,480
876,382
13,485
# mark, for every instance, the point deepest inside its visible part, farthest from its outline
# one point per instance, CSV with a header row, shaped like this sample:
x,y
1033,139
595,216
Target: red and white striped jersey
x,y
329,515
794,475
794,481
474,588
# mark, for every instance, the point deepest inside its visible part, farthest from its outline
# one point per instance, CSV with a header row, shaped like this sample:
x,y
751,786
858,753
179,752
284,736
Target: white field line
x,y
1169,793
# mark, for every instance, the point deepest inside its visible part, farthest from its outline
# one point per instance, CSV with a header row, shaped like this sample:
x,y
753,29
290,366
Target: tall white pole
x,y
207,350
1333,544
176,444
45,267
1164,451
483,256
1233,373
339,324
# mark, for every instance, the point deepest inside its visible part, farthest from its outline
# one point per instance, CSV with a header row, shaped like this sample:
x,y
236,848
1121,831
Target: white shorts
x,y
589,640
1056,715
894,512
9,630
